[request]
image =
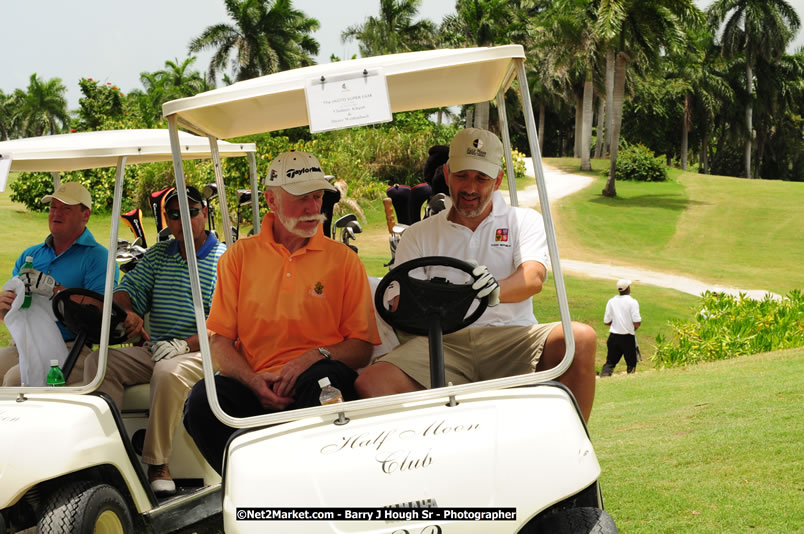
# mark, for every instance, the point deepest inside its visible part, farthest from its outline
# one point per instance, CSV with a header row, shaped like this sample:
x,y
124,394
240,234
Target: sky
x,y
115,40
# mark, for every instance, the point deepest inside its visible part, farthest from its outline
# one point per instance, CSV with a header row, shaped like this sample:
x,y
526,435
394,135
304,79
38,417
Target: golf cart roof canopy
x,y
416,80
92,150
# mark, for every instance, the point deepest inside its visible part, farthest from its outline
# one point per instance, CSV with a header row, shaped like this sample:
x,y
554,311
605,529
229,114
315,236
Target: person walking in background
x,y
622,317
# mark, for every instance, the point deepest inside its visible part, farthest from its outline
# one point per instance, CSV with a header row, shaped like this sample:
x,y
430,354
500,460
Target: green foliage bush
x,y
637,162
727,326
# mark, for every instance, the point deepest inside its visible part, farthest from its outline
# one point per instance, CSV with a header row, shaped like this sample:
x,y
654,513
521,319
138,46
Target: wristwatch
x,y
325,353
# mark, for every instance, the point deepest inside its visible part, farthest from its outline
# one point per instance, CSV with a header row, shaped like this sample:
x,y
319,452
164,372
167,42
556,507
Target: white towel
x,y
35,332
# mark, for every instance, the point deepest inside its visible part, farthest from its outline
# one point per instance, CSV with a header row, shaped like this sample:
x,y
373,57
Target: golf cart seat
x,y
136,398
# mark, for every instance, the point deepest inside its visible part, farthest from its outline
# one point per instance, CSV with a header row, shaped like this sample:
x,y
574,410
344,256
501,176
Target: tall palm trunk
x,y
541,128
482,115
601,113
576,152
685,130
749,86
586,122
609,97
619,94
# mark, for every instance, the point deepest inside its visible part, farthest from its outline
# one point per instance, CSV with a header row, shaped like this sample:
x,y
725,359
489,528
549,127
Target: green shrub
x,y
637,162
728,326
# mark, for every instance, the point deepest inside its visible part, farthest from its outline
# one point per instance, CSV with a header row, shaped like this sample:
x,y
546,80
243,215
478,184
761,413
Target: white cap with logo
x,y
298,173
71,193
477,150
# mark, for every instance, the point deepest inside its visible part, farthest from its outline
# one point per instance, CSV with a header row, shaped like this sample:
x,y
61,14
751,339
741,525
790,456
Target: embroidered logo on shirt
x,y
318,289
501,235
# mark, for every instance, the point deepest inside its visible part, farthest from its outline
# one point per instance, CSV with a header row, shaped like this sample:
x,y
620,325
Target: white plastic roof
x,y
416,80
91,150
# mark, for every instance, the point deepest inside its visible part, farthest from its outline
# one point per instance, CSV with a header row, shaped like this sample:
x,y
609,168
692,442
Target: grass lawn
x,y
715,448
727,231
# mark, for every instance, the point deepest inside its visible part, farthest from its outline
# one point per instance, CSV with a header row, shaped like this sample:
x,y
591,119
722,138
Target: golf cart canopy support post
x,y
277,101
100,149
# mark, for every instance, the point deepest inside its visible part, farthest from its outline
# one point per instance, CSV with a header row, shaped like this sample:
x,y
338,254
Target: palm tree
x,y
757,29
267,36
172,82
393,30
484,23
43,108
9,114
640,31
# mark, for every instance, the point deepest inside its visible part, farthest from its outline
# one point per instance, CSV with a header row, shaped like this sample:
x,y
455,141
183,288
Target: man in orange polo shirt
x,y
291,306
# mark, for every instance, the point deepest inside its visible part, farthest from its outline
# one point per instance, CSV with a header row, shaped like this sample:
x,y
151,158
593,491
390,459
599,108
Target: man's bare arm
x,y
525,282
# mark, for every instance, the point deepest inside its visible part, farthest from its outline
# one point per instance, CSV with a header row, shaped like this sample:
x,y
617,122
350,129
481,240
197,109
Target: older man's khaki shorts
x,y
475,354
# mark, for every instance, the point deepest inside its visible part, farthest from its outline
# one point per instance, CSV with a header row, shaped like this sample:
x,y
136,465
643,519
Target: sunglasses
x,y
175,215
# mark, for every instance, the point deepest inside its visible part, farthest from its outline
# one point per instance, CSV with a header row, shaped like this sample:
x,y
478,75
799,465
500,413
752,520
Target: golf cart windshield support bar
x,y
509,161
255,193
192,261
549,228
216,160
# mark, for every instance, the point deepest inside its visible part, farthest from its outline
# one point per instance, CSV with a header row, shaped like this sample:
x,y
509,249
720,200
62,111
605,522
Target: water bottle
x,y
26,302
329,393
55,377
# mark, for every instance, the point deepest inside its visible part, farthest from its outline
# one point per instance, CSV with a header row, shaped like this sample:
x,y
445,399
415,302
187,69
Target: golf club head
x,y
210,191
354,227
346,219
243,196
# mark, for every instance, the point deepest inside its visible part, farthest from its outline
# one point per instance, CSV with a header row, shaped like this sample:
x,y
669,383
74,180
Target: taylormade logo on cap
x,y
477,150
298,173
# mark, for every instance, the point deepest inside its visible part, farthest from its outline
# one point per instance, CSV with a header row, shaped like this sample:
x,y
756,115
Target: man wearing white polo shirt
x,y
510,247
622,317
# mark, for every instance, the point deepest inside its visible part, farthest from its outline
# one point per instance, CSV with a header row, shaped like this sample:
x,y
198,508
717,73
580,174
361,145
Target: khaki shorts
x,y
475,354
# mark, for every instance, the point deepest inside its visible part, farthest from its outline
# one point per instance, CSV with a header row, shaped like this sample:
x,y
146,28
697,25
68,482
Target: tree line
x,y
715,87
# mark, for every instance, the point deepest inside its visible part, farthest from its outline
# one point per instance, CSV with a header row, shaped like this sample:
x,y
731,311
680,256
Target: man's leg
x,y
14,378
126,366
629,351
580,377
209,434
9,357
613,355
171,382
383,378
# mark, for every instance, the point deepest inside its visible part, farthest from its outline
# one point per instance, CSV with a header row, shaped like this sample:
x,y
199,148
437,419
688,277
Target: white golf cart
x,y
70,461
515,449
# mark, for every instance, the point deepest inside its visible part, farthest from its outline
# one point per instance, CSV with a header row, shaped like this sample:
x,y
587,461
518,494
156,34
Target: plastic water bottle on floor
x,y
26,302
55,377
329,393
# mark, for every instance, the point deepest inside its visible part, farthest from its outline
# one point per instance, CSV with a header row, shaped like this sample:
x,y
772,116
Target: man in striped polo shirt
x,y
160,286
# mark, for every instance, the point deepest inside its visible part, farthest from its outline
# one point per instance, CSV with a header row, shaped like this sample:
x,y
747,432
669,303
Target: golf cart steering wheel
x,y
421,302
81,311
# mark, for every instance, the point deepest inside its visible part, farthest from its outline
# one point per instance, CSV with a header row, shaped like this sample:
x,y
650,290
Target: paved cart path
x,y
560,184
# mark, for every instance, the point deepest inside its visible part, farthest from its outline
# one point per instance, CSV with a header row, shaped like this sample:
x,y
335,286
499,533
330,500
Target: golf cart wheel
x,y
86,508
583,520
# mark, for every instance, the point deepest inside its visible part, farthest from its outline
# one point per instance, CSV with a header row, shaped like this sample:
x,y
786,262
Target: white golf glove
x,y
485,283
168,349
38,282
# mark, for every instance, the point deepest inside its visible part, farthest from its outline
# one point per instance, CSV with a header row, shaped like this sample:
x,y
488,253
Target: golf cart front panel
x,y
49,436
491,450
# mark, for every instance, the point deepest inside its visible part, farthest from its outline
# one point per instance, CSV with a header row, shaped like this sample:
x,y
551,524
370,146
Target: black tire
x,y
584,520
86,508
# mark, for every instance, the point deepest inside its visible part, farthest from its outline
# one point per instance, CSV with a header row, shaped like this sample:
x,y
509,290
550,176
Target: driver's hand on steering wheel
x,y
485,283
290,372
262,385
134,325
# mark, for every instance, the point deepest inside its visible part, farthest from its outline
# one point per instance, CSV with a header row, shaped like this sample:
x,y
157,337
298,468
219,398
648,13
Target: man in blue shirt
x,y
69,257
160,286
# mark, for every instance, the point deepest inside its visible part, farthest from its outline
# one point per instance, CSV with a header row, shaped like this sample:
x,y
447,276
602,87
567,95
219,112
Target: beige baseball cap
x,y
298,173
477,150
70,193
623,284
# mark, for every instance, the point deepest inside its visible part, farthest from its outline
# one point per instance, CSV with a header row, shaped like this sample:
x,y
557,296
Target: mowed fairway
x,y
720,230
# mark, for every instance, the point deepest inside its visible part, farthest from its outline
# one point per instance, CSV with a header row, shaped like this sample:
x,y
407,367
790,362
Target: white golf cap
x,y
71,193
623,284
298,173
476,150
